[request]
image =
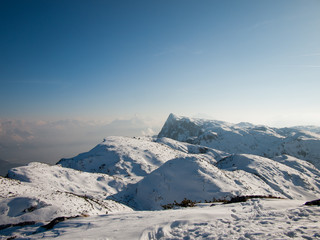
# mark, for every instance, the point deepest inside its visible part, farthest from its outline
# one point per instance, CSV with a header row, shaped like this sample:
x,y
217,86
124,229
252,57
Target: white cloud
x,y
15,131
148,132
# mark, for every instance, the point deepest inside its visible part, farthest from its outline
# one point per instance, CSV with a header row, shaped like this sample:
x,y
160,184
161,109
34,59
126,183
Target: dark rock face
x,y
21,224
313,203
178,129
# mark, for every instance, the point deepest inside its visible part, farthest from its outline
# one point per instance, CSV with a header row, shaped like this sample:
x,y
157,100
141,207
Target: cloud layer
x,y
48,141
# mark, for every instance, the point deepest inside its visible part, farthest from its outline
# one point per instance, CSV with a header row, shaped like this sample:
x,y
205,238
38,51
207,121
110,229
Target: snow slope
x,y
200,178
254,219
67,180
123,157
245,138
195,178
39,192
302,166
192,148
281,177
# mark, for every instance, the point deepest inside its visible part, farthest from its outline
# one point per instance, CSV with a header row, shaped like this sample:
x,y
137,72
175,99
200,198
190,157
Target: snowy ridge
x,y
192,149
245,138
123,157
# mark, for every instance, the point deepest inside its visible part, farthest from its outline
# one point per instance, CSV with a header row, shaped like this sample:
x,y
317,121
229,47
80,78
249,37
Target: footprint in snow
x,y
235,217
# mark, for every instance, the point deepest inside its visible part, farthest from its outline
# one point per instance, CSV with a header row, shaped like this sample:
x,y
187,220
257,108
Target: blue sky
x,y
256,61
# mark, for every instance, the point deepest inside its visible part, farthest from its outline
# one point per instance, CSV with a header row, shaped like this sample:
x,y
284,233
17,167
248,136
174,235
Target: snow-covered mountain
x,y
245,138
132,158
194,159
200,178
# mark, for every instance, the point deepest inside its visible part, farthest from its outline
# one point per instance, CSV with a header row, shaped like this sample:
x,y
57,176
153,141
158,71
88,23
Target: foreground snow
x,y
254,219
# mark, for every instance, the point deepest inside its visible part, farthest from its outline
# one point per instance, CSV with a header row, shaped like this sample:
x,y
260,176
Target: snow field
x,y
254,219
46,192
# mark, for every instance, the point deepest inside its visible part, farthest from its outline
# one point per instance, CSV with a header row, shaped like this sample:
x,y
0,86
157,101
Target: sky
x,y
96,63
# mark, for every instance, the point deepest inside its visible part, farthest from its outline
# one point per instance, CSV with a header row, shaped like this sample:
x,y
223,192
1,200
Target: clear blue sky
x,y
238,60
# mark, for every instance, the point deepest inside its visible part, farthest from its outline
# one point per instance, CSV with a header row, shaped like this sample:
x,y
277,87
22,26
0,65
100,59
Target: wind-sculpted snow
x,y
245,138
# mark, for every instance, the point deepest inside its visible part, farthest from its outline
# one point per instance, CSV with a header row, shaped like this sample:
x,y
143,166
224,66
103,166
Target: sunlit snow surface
x,y
255,219
122,184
